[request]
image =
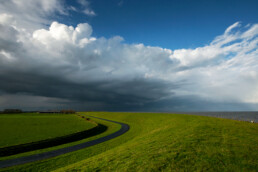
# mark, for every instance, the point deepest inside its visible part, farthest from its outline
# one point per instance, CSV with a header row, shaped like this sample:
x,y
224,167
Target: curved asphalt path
x,y
31,158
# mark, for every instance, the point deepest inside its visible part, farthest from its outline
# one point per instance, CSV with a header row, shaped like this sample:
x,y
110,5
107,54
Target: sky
x,y
121,55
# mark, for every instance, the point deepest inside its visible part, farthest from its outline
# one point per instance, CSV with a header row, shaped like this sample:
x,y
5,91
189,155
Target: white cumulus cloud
x,y
69,63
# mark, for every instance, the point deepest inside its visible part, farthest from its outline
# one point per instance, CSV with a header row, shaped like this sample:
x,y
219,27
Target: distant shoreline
x,y
236,115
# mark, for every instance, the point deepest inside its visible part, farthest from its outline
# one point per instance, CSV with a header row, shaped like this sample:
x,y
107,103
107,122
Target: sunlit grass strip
x,y
17,129
164,142
62,160
170,142
42,144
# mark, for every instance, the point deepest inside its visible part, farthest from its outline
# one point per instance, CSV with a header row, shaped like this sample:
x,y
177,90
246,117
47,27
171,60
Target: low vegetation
x,y
19,129
60,161
11,111
163,142
167,142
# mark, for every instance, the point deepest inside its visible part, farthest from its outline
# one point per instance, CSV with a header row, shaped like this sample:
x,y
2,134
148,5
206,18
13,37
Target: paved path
x,y
31,158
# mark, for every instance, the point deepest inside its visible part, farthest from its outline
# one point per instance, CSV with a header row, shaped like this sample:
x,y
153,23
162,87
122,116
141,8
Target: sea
x,y
251,116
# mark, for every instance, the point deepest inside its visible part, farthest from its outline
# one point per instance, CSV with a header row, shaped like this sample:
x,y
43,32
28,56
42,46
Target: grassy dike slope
x,y
165,142
68,158
18,129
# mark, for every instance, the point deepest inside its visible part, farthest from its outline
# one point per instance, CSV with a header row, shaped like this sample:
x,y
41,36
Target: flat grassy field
x,y
164,142
18,129
63,160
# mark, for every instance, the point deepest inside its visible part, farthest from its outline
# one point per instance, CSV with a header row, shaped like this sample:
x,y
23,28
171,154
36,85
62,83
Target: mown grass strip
x,y
60,161
54,153
161,142
12,150
16,129
177,142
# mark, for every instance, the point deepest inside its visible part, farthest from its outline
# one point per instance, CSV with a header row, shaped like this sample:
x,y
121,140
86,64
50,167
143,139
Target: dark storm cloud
x,y
110,94
136,95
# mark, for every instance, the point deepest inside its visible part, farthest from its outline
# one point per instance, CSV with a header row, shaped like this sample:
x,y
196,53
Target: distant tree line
x,y
14,111
7,111
69,111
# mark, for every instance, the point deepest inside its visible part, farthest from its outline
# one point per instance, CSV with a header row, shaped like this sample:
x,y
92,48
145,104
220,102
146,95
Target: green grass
x,y
63,160
164,142
18,129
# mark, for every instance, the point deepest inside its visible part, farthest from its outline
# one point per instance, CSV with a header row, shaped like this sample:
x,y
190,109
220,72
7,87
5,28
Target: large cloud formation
x,y
63,66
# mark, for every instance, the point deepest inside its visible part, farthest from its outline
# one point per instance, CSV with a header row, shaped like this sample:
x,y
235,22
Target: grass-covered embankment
x,y
167,142
63,160
16,129
42,144
163,142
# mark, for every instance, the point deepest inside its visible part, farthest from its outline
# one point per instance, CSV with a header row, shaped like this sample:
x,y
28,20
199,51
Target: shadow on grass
x,y
12,150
